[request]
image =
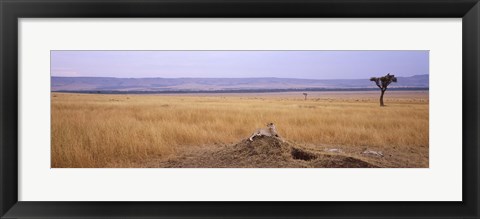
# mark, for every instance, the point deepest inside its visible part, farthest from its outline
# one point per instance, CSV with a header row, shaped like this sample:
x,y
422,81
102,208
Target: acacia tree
x,y
382,83
305,94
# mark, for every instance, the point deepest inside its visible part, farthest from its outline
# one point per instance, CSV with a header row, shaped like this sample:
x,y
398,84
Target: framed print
x,y
239,109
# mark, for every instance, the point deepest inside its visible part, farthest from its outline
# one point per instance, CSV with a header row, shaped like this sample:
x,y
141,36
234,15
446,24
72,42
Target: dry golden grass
x,y
96,130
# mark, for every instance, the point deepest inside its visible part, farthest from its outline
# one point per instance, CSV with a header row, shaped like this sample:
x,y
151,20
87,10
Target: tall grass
x,y
105,130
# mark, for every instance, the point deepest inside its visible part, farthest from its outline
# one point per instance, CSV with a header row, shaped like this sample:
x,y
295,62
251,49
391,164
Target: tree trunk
x,y
381,98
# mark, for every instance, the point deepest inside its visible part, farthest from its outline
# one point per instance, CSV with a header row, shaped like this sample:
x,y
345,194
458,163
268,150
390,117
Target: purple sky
x,y
239,64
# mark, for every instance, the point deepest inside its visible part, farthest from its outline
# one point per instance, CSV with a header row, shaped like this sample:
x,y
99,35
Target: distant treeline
x,y
235,91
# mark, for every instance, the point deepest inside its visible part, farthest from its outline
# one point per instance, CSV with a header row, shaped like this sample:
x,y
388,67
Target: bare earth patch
x,y
263,152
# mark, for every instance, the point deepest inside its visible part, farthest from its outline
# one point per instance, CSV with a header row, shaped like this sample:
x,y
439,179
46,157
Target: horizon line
x,y
219,77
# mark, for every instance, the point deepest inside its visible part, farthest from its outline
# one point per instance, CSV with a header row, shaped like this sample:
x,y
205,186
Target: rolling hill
x,y
111,84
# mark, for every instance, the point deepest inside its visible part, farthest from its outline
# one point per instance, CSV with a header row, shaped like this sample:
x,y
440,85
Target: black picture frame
x,y
12,10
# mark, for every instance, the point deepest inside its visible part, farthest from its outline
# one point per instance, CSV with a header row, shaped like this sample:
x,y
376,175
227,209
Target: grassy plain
x,y
100,130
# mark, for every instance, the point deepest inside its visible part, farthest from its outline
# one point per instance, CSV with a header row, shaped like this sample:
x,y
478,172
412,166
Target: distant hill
x,y
110,84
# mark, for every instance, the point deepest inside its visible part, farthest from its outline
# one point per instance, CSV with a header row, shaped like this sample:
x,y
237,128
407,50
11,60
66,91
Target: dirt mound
x,y
264,152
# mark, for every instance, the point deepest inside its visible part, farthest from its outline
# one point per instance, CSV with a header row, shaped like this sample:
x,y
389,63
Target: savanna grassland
x,y
100,130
